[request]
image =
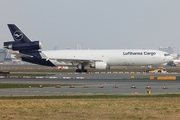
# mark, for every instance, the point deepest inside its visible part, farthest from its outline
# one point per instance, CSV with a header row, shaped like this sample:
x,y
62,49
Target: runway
x,y
93,81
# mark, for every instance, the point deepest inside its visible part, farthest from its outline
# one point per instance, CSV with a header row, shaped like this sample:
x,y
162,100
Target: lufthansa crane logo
x,y
18,35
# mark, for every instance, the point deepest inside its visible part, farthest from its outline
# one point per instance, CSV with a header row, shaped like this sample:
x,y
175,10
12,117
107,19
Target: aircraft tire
x,y
81,70
84,70
78,70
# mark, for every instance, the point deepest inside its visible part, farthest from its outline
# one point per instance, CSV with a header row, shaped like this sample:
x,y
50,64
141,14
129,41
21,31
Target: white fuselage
x,y
100,59
111,57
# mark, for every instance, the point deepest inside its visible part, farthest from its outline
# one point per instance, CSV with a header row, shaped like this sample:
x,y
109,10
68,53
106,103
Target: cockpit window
x,y
166,54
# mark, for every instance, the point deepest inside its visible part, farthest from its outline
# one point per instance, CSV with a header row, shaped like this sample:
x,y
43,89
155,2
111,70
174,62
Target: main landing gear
x,y
81,69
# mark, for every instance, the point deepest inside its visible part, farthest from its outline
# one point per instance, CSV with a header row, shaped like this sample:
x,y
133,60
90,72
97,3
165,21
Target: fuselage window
x,y
166,54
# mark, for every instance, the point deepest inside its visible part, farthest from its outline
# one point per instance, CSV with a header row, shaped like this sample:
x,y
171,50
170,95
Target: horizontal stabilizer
x,y
20,55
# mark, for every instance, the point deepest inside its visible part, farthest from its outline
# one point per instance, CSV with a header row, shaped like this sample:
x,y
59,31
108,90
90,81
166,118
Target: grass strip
x,y
28,74
92,96
165,108
20,85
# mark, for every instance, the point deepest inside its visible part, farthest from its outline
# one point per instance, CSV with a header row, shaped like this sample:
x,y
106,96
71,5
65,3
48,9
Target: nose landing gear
x,y
81,69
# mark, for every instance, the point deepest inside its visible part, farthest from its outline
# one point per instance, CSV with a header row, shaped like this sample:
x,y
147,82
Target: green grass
x,y
28,74
20,85
93,96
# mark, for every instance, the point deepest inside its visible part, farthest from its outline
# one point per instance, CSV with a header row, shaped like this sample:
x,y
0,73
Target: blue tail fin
x,y
21,41
17,34
28,50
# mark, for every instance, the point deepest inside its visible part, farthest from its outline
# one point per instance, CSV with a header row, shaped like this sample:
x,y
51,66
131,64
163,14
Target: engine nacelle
x,y
99,65
35,45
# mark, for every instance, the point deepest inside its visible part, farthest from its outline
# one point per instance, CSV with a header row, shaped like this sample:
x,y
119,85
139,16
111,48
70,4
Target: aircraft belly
x,y
118,62
57,63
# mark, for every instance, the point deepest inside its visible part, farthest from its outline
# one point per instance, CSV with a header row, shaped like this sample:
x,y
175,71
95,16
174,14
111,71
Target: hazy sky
x,y
94,24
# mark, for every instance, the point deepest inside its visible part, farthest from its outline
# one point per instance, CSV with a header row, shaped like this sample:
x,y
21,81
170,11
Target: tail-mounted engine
x,y
23,46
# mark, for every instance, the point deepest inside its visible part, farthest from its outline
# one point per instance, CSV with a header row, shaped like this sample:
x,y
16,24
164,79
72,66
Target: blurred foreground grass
x,y
91,108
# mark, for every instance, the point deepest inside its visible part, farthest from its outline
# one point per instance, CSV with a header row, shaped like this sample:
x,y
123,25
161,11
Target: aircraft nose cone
x,y
170,59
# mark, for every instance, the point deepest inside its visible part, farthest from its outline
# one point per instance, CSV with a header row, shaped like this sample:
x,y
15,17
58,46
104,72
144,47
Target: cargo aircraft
x,y
26,50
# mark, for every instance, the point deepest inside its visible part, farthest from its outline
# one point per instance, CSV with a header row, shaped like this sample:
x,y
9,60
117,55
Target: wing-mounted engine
x,y
99,65
23,46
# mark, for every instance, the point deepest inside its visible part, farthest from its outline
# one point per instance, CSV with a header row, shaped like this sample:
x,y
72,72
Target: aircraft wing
x,y
20,55
75,61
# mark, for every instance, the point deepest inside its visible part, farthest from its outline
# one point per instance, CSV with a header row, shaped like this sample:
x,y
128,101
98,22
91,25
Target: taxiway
x,y
93,82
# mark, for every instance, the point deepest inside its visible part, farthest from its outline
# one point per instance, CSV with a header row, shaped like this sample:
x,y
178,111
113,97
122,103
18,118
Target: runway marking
x,y
36,91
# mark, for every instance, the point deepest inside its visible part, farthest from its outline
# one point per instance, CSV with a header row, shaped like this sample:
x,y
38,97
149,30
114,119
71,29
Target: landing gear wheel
x,y
84,70
81,70
78,70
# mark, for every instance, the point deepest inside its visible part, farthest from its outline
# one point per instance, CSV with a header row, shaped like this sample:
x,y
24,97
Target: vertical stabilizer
x,y
17,34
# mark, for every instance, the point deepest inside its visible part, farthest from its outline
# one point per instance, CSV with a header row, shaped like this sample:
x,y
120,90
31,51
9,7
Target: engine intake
x,y
35,45
99,65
